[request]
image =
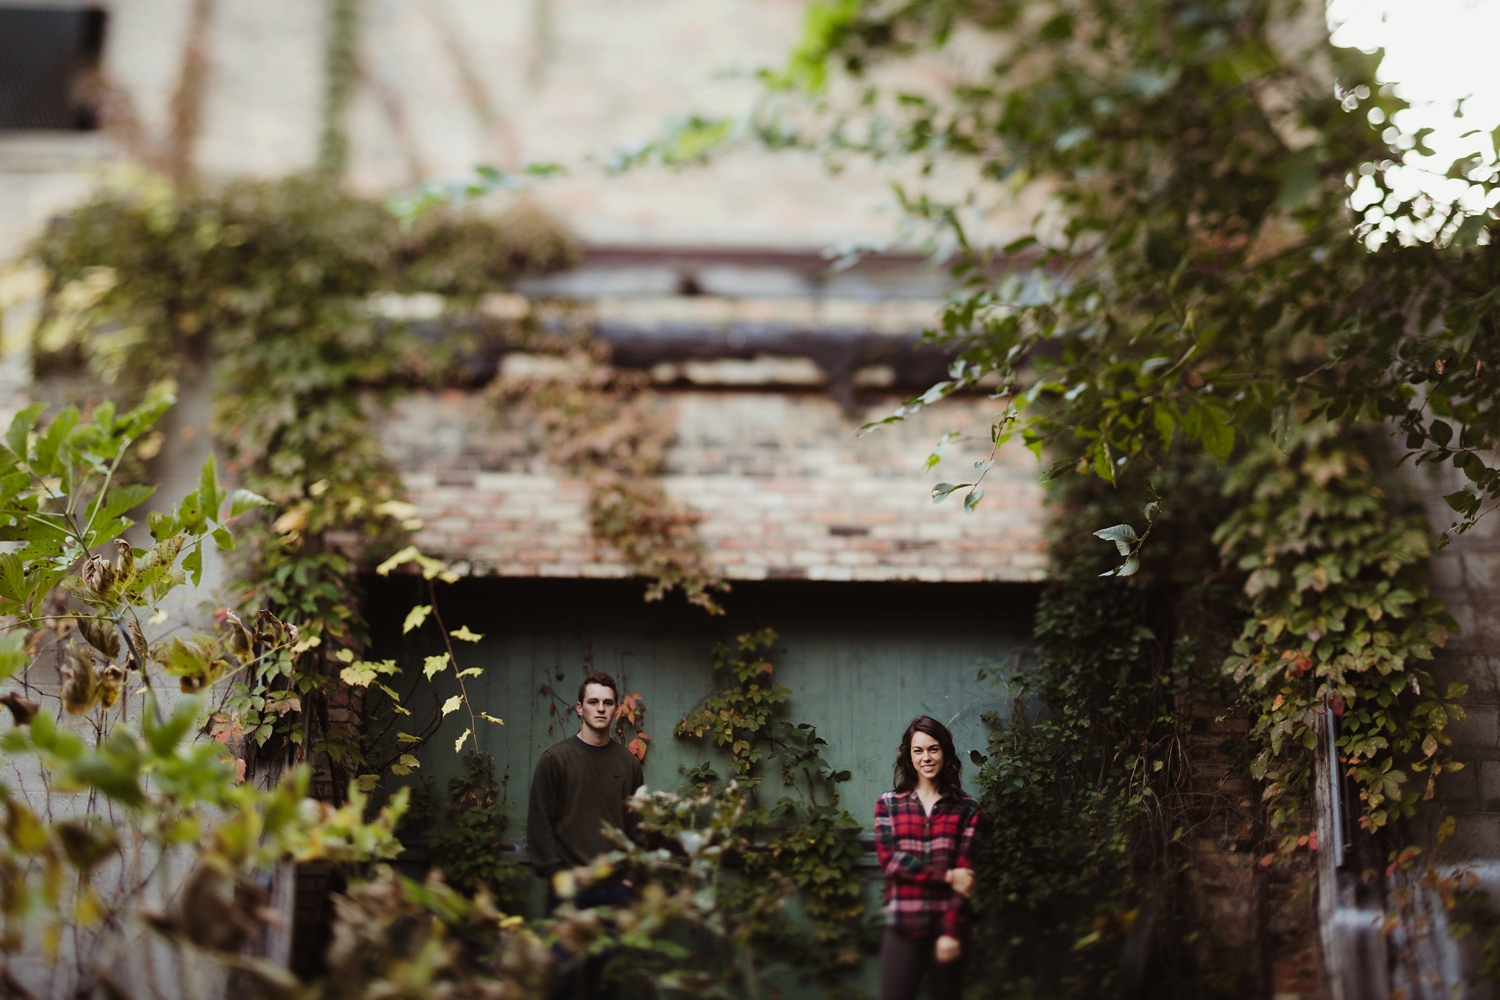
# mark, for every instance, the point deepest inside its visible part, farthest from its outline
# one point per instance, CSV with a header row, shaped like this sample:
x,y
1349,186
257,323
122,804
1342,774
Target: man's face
x,y
597,709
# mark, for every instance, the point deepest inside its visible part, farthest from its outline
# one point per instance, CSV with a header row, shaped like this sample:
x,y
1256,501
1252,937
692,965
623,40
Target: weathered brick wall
x,y
786,488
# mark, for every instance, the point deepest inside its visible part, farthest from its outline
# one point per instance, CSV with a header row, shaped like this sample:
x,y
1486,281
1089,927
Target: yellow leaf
x,y
406,555
451,705
467,636
367,782
490,718
407,760
345,655
471,672
415,617
434,665
458,744
399,510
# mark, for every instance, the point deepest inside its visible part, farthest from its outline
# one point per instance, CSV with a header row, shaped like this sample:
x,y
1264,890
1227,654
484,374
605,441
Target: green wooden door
x,y
861,659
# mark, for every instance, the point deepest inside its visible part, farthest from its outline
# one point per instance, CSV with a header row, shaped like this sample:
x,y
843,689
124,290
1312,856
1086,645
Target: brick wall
x,y
786,488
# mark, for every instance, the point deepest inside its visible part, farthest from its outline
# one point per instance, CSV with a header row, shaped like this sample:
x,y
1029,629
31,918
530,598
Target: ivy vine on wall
x,y
804,837
1337,576
274,287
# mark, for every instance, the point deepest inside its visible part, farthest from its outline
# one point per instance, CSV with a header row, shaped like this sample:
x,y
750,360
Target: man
x,y
580,785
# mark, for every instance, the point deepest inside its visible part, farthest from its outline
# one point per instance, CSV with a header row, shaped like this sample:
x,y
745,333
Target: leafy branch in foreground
x,y
124,789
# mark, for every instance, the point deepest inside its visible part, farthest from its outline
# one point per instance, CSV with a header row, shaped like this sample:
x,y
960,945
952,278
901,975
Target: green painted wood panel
x,y
861,659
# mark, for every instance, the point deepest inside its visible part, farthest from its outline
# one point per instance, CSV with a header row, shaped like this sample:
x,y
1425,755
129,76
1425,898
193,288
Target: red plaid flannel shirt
x,y
916,850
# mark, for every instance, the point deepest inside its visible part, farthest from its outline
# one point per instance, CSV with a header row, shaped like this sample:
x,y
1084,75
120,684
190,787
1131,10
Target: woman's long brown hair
x,y
950,782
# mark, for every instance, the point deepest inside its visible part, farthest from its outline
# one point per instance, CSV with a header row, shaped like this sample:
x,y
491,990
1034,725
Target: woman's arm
x,y
962,859
903,866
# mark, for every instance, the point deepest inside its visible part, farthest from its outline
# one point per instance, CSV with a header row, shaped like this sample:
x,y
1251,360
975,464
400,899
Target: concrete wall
x,y
448,84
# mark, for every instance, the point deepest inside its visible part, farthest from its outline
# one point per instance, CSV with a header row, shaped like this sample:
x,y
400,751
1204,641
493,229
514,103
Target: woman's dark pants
x,y
904,961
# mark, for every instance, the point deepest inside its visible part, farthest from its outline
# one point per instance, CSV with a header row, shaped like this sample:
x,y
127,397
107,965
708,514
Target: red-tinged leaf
x,y
1312,841
1265,861
638,748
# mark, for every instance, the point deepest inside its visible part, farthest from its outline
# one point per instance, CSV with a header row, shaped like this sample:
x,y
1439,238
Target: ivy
x,y
125,792
1343,618
465,833
599,424
1089,803
808,840
277,287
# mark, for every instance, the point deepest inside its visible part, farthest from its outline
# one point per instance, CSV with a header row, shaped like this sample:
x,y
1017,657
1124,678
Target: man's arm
x,y
541,818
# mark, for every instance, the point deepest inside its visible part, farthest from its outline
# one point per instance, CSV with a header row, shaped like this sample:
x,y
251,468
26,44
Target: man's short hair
x,y
603,680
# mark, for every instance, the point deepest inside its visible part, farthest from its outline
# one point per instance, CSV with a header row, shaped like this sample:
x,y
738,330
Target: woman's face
x,y
926,755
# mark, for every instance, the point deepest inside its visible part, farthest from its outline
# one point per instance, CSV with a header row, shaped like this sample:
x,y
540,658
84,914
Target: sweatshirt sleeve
x,y
900,866
541,818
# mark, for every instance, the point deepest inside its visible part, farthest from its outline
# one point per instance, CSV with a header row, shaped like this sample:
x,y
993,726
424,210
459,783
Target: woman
x,y
924,834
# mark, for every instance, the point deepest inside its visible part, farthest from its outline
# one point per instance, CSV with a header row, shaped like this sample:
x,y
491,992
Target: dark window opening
x,y
49,67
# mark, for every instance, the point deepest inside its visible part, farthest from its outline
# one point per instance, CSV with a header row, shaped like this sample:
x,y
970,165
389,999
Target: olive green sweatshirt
x,y
577,789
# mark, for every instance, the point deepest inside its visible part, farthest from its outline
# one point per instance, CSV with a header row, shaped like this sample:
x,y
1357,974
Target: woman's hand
x,y
948,948
962,880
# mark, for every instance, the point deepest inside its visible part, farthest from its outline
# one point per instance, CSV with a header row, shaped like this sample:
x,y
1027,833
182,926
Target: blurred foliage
x,y
397,939
122,786
464,833
1342,616
294,293
1200,271
1223,265
1088,793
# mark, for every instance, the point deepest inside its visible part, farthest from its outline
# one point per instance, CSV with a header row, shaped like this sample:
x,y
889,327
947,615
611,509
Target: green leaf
x,y
1462,501
124,498
1123,535
1218,436
12,654
163,739
972,500
211,496
224,538
941,491
243,500
13,584
17,437
1165,423
415,617
192,564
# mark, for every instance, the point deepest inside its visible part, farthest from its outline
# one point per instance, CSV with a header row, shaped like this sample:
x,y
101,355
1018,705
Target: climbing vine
x,y
808,839
1342,618
272,286
600,424
1089,787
